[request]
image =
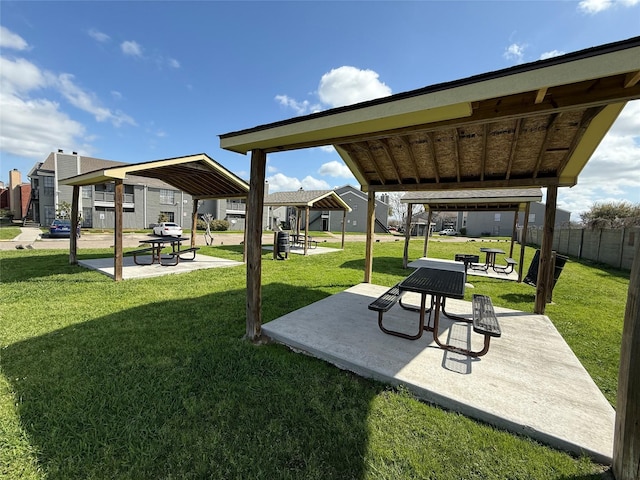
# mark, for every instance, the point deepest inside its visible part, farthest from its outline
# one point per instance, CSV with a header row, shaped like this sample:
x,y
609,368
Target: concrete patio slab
x,y
131,271
529,383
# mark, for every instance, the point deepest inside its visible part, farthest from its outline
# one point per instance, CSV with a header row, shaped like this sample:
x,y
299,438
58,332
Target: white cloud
x,y
31,128
515,52
88,102
594,6
597,6
20,76
32,122
99,36
11,40
310,183
116,94
300,108
131,48
348,85
612,173
341,86
173,63
281,183
551,54
271,169
335,169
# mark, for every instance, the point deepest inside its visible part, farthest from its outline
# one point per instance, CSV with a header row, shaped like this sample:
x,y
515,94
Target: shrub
x,y
215,225
219,225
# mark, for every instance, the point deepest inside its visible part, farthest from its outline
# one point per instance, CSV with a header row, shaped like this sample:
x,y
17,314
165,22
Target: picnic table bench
x,y
508,268
141,251
176,256
485,322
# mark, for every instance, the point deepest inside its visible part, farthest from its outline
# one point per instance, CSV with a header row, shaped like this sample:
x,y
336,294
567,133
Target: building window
x,y
49,186
355,207
496,217
168,216
105,187
87,191
355,223
167,197
532,218
49,215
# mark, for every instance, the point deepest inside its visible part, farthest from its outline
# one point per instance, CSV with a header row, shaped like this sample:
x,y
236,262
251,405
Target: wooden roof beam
x,y
547,138
386,148
412,158
483,160
365,148
540,94
432,149
456,153
589,115
631,79
514,144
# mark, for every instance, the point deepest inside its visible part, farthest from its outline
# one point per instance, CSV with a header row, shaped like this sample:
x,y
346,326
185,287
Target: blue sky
x,y
140,81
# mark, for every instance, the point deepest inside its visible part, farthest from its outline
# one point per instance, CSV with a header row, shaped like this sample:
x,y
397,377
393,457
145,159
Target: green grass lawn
x,y
151,378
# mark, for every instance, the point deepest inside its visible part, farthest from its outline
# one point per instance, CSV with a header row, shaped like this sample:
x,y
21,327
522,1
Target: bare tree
x,y
611,215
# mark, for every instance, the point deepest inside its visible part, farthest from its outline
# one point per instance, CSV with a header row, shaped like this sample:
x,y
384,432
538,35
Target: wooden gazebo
x,y
532,125
307,200
197,175
470,200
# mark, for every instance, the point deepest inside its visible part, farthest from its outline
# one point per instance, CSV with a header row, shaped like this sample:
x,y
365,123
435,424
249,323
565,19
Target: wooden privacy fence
x,y
611,246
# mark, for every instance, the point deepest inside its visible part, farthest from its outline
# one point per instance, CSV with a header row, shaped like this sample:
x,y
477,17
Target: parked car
x,y
448,231
167,229
60,228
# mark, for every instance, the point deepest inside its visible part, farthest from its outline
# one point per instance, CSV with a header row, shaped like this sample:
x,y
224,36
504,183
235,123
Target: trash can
x,y
282,246
532,274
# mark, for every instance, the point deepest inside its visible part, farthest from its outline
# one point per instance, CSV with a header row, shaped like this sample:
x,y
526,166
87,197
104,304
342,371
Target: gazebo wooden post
x,y
194,222
513,232
344,224
545,273
426,234
255,202
73,241
371,215
407,236
298,220
626,439
117,230
306,229
523,240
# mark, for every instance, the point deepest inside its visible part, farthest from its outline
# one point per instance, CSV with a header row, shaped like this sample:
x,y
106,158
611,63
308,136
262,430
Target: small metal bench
x,y
140,251
508,268
384,303
467,259
485,322
177,255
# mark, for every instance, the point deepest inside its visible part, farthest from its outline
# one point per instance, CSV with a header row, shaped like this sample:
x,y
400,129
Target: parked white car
x,y
167,229
448,231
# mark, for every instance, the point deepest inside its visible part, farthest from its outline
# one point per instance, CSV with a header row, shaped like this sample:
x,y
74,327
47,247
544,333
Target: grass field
x,y
152,379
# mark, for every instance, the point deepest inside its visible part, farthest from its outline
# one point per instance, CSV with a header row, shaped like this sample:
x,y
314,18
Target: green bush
x,y
215,225
219,225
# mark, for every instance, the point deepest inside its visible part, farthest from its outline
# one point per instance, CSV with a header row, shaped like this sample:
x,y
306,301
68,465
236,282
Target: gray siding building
x,y
145,199
501,223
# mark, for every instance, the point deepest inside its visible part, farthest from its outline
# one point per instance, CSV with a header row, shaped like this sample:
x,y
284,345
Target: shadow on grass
x,y
171,390
37,264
